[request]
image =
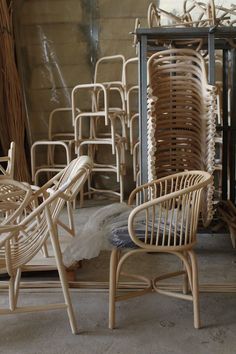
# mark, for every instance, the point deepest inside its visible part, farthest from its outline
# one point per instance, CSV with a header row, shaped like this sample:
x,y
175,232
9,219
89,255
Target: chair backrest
x,y
130,73
22,241
89,93
170,211
9,161
109,69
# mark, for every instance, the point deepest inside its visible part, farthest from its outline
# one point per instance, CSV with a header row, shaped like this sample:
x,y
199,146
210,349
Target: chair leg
x,y
185,284
17,285
70,218
45,250
195,291
64,282
12,303
121,189
112,287
185,280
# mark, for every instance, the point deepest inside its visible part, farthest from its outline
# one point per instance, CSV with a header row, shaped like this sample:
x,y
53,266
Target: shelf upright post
x,y
233,125
211,53
225,147
143,108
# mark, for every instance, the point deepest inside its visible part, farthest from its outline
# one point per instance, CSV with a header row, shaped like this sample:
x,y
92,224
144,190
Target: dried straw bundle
x,y
12,124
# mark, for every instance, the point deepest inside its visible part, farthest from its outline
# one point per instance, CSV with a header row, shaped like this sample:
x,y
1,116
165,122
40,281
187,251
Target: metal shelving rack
x,y
213,38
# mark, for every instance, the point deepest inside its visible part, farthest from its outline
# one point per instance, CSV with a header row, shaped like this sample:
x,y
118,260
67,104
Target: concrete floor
x,y
150,324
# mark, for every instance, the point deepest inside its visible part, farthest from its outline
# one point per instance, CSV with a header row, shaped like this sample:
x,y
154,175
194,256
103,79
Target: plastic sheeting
x,y
95,234
108,227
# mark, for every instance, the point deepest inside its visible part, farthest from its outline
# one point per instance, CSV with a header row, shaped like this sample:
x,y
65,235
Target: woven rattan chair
x,y
23,237
166,221
181,116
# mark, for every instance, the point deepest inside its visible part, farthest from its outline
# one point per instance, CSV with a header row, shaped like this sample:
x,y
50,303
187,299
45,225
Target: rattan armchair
x,y
165,221
23,237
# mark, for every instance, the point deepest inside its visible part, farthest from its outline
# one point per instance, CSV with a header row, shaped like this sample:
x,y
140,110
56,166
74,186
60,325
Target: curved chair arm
x,y
171,219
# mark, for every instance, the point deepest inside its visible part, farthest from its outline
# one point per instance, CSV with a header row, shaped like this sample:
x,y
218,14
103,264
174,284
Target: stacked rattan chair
x,y
58,146
131,89
165,222
109,72
181,116
100,132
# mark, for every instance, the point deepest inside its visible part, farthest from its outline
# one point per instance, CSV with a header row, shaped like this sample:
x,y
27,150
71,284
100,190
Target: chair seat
x,y
120,237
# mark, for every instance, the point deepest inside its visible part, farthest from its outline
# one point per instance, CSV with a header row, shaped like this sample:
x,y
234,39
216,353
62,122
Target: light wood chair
x,y
181,116
22,238
7,163
59,144
50,167
96,128
195,13
168,217
109,72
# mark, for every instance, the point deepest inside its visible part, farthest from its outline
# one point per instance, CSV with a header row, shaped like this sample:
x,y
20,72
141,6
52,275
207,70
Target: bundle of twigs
x,y
12,121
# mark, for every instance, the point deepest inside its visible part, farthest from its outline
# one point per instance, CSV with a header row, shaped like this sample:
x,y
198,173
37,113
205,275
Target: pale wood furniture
x,y
37,168
59,143
96,127
169,213
109,72
181,117
213,38
22,238
194,13
7,163
131,89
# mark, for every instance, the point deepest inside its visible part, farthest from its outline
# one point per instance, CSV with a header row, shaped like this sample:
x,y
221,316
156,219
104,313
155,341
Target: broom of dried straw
x,y
12,118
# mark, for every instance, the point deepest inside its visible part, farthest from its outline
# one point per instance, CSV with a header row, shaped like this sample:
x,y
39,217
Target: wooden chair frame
x,y
56,140
51,166
21,241
112,85
95,117
181,116
180,195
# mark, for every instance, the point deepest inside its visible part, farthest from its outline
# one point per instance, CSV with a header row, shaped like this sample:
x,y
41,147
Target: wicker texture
x,y
181,116
170,210
24,232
